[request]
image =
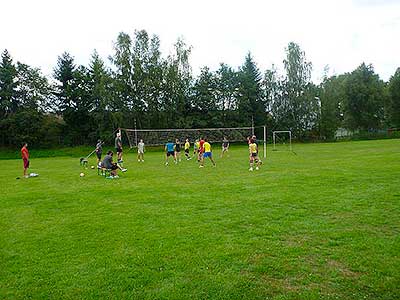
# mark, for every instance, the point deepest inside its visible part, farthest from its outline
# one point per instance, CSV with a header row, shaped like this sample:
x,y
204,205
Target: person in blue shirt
x,y
170,151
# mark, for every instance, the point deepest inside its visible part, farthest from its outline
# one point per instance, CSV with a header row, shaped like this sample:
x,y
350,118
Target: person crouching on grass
x,y
253,151
110,165
25,158
206,153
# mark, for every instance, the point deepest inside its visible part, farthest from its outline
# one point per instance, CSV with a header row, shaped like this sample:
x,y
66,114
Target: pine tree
x,y
8,84
250,101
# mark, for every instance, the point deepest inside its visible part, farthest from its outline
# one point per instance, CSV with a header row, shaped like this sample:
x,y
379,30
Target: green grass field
x,y
322,224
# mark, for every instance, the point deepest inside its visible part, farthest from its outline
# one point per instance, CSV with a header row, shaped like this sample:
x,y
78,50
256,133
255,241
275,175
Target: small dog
x,y
83,162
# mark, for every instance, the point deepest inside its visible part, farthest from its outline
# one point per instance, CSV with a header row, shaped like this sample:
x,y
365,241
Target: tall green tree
x,y
64,75
34,90
123,76
365,96
394,99
251,106
226,93
205,102
177,87
332,96
301,107
9,101
102,96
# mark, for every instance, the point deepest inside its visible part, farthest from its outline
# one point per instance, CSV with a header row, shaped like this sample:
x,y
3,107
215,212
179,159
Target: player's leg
x,y
251,162
212,160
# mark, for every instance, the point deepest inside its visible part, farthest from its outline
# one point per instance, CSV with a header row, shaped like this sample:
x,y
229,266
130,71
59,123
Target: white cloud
x,y
341,33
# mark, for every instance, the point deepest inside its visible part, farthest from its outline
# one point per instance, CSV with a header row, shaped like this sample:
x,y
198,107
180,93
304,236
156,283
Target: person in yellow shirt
x,y
207,153
253,150
196,147
187,149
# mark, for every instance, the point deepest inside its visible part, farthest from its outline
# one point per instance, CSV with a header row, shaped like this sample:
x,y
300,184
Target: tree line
x,y
139,87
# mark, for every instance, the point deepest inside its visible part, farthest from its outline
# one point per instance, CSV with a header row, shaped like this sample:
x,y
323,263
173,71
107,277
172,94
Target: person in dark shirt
x,y
99,150
108,164
177,150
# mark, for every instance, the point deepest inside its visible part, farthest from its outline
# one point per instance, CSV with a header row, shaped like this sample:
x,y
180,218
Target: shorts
x,y
118,150
207,154
114,167
186,150
140,152
178,150
98,154
254,155
170,153
26,163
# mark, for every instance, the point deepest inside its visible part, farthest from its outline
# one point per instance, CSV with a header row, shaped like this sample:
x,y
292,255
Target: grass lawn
x,y
322,224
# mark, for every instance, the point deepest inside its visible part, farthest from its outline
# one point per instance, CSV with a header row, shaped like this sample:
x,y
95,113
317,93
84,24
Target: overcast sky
x,y
338,33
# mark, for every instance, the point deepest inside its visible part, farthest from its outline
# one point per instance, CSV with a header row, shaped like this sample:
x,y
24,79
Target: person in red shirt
x,y
201,149
25,158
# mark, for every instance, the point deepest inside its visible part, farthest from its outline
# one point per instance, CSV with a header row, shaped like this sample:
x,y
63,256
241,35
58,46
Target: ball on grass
x,y
82,174
92,167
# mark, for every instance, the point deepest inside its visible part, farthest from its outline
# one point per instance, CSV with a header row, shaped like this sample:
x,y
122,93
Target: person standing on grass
x,y
169,151
201,149
206,153
99,150
196,146
253,151
177,150
118,147
140,150
187,149
25,158
225,146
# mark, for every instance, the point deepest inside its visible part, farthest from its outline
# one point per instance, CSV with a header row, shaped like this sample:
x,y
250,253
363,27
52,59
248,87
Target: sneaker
x,y
142,160
201,166
257,168
166,163
124,170
110,177
138,160
251,169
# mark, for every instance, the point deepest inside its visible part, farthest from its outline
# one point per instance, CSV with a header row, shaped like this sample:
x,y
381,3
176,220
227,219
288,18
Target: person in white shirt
x,y
140,151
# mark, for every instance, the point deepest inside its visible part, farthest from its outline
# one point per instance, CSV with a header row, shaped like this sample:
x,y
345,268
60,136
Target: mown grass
x,y
322,224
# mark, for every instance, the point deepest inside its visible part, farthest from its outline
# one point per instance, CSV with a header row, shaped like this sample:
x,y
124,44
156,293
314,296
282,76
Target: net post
x,y
290,140
265,141
136,143
273,137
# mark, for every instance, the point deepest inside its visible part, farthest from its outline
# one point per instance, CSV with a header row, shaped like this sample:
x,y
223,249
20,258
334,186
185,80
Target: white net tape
x,y
162,136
